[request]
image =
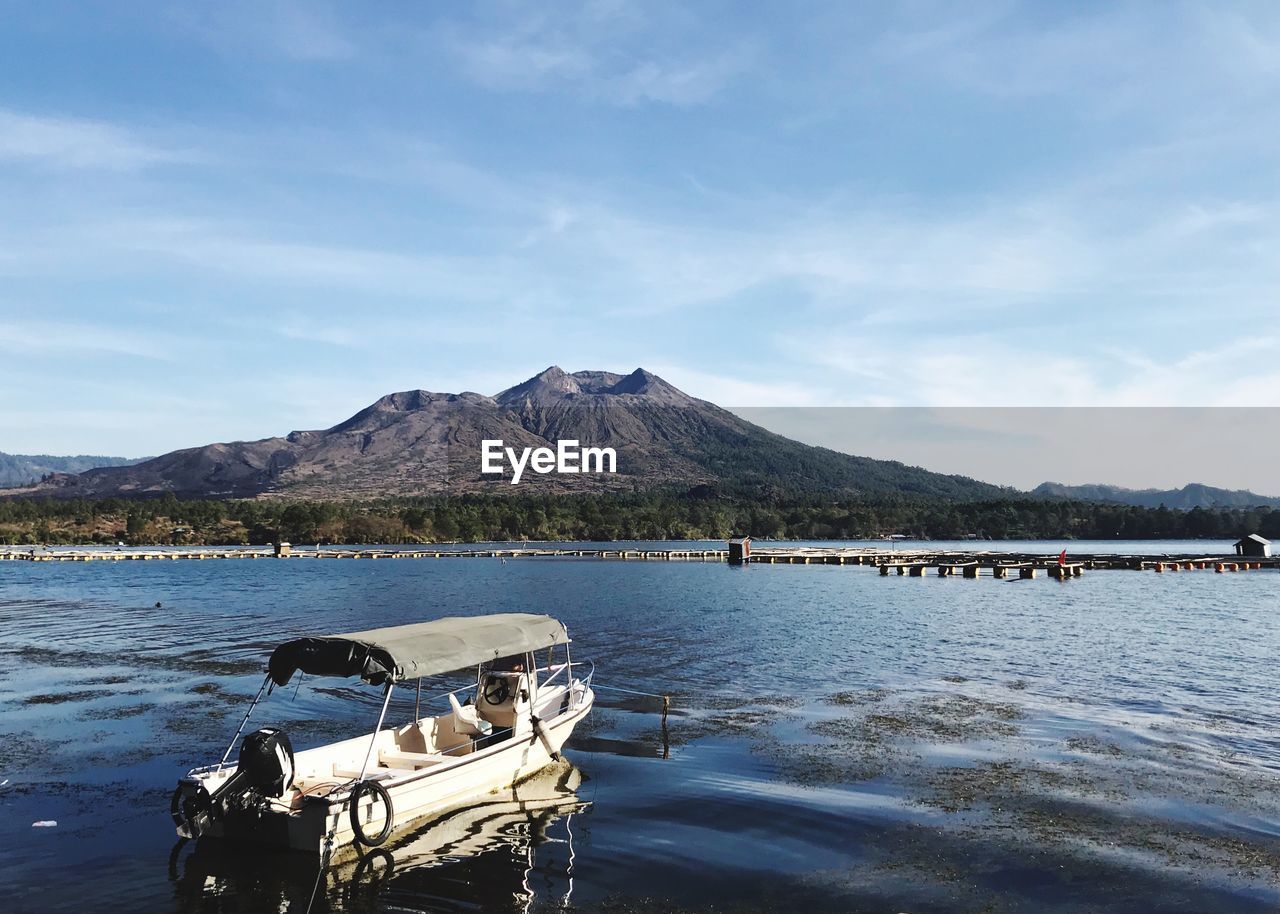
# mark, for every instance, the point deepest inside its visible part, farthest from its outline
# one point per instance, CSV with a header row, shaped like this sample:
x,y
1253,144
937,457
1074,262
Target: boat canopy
x,y
413,651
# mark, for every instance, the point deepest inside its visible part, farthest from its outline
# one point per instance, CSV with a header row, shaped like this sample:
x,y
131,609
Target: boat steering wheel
x,y
496,690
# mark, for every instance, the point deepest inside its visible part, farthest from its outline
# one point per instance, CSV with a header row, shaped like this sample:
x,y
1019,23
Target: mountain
x,y
1193,495
419,442
24,469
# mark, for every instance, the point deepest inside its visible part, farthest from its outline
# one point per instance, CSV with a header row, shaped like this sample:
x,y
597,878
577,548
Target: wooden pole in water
x,y
666,734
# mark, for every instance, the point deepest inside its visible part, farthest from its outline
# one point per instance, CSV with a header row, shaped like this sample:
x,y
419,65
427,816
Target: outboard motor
x,y
264,770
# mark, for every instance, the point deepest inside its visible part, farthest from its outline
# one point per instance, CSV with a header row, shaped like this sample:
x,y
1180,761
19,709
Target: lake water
x,y
839,741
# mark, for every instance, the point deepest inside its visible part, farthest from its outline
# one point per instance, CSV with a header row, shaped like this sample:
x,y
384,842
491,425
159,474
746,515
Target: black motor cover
x,y
265,769
265,766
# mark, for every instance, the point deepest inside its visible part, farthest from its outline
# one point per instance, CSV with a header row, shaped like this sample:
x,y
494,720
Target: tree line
x,y
644,516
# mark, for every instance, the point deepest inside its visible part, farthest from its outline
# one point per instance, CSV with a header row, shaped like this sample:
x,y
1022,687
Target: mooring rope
x,y
596,685
666,699
324,863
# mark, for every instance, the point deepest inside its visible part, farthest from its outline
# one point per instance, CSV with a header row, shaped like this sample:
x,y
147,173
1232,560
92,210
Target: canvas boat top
x,y
412,651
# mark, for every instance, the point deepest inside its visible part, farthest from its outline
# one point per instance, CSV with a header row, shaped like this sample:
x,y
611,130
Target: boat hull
x,y
322,824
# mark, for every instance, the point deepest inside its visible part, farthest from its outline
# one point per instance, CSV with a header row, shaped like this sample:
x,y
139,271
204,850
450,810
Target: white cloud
x,y
245,253
557,220
1119,60
518,63
602,52
77,143
51,337
967,369
310,32
675,82
871,261
729,391
296,325
306,31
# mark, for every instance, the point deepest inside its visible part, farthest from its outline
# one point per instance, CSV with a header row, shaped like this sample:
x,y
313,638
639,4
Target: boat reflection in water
x,y
507,852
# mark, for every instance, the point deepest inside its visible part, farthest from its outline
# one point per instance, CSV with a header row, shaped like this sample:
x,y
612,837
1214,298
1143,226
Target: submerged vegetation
x,y
697,514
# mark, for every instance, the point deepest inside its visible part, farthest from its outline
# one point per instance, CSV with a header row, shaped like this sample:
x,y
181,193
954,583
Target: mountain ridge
x,y
421,442
23,469
1192,495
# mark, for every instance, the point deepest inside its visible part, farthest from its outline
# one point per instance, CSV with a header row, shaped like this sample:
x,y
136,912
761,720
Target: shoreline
x,y
969,563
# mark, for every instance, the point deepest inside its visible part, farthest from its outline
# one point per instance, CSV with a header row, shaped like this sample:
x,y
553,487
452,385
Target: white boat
x,y
480,857
503,819
507,726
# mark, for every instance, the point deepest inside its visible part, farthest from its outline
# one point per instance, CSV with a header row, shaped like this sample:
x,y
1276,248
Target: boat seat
x,y
393,758
342,771
467,721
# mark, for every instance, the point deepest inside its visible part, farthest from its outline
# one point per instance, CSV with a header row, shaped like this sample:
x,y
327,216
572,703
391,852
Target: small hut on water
x,y
1254,546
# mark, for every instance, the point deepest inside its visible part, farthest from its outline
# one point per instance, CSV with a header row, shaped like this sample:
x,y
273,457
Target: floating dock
x,y
890,562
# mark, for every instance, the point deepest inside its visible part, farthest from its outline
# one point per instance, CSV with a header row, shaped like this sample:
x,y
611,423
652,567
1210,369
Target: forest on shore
x,y
695,514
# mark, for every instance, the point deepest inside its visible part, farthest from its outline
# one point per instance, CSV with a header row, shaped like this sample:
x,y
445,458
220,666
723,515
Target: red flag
x,y
1062,557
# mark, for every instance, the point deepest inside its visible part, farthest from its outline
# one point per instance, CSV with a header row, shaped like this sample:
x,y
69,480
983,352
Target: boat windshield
x,y
516,663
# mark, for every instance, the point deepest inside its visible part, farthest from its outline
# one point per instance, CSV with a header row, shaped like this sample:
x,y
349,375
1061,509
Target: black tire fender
x,y
175,807
185,809
353,804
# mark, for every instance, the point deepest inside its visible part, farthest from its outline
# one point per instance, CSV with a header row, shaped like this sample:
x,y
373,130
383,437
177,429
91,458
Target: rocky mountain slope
x,y
419,442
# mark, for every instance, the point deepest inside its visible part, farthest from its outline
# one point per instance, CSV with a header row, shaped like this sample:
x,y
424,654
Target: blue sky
x,y
229,220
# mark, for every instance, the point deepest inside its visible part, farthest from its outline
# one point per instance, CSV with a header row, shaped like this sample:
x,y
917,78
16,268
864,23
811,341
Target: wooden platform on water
x,y
890,562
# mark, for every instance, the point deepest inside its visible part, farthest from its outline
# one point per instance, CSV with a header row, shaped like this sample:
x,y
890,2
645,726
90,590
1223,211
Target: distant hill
x,y
1189,496
24,469
418,442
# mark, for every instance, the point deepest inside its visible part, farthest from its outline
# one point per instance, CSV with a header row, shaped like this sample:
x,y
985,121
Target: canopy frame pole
x,y
417,703
240,729
568,661
376,730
